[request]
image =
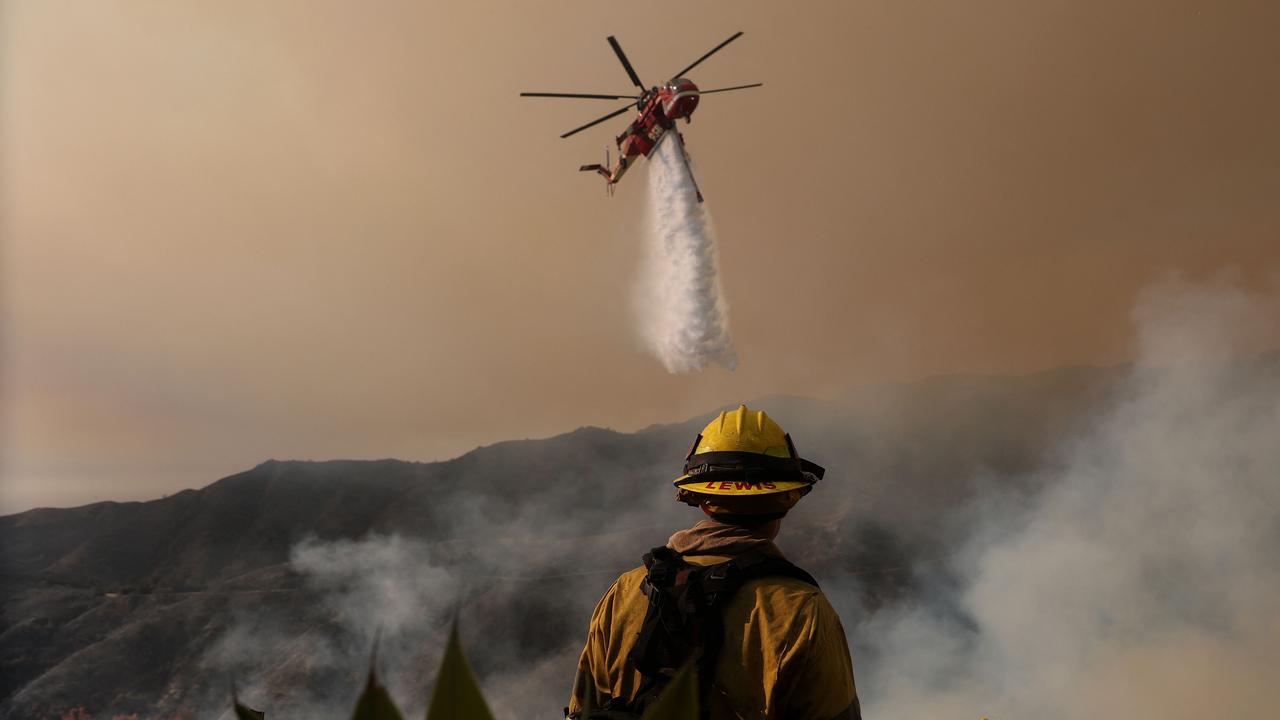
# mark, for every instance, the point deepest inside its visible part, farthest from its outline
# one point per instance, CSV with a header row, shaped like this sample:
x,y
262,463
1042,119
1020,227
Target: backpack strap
x,y
671,625
729,576
665,619
719,583
683,622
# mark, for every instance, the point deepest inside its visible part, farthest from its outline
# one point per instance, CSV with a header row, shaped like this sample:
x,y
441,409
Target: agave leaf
x,y
588,693
247,713
243,712
679,699
457,695
375,703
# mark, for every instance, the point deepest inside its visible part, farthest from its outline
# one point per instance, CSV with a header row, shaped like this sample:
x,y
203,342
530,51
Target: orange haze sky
x,y
299,229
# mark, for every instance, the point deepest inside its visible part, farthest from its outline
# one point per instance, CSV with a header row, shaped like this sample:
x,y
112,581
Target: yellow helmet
x,y
744,463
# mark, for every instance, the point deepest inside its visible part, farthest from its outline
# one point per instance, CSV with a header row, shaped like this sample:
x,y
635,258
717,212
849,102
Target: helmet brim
x,y
704,486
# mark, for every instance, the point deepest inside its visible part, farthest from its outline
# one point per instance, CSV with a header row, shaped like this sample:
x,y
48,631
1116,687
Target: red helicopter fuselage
x,y
659,109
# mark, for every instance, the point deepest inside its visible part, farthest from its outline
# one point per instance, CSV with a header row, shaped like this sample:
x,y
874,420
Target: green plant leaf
x,y
457,695
375,703
588,699
247,713
679,699
243,712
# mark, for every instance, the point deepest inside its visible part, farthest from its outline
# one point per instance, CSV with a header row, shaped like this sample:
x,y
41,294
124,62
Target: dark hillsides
x,y
280,574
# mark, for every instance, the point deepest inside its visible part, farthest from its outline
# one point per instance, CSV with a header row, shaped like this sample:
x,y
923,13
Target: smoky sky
x,y
236,231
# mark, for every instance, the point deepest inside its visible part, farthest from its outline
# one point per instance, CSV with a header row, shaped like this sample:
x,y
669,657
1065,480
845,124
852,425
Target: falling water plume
x,y
684,318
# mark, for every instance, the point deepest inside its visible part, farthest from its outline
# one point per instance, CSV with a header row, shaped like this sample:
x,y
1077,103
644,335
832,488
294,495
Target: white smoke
x,y
684,318
1144,582
377,587
377,583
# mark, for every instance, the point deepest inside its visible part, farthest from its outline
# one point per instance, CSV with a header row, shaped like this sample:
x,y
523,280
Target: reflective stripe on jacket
x,y
784,656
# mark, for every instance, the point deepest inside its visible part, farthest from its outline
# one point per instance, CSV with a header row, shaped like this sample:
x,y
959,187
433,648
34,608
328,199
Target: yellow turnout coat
x,y
784,656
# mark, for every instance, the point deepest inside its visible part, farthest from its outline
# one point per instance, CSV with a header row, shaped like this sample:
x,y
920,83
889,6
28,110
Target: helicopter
x,y
657,107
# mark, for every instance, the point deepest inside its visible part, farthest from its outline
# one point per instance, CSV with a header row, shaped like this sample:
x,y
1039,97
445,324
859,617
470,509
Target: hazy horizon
x,y
762,402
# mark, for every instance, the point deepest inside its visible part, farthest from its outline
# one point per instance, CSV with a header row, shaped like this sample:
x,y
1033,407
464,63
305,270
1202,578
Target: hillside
x,y
148,607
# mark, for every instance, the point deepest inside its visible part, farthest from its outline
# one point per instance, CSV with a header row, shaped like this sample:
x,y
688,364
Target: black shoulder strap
x,y
752,566
664,567
683,621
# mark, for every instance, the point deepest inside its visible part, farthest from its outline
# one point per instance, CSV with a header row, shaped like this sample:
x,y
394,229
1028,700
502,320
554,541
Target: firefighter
x,y
765,641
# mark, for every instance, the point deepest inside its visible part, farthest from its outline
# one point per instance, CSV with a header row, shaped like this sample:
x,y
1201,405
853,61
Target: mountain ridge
x,y
169,579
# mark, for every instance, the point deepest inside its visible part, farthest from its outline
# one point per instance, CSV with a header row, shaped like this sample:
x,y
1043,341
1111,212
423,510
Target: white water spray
x,y
684,318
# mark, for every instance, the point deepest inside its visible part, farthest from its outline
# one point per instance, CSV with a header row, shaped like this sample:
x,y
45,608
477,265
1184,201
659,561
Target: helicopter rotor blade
x,y
735,87
580,95
713,51
617,49
597,121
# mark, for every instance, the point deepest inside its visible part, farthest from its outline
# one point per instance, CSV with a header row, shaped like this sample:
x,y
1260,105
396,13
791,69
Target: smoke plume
x,y
307,662
684,318
1143,581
